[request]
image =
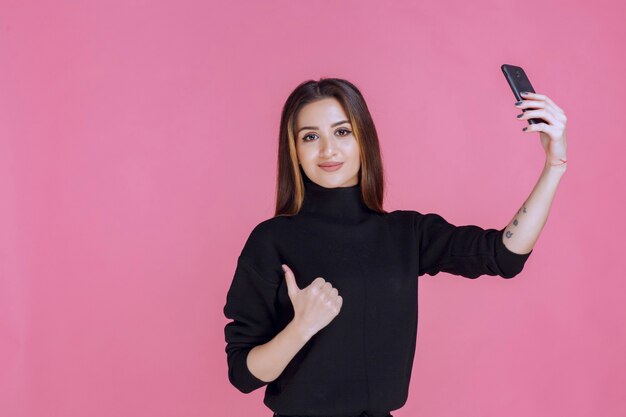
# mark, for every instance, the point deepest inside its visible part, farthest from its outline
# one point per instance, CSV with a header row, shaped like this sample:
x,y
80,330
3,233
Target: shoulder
x,y
405,215
401,220
400,214
270,227
264,234
260,252
418,220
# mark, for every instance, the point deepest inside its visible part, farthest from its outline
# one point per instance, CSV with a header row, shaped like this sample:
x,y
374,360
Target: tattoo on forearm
x,y
508,233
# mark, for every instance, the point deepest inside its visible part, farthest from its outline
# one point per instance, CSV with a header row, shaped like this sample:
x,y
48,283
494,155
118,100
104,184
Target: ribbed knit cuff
x,y
242,378
510,263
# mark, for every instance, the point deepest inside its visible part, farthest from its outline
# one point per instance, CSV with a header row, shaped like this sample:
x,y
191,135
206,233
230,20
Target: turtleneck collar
x,y
344,204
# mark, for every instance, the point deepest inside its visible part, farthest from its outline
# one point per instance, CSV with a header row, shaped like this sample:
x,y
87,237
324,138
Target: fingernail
x,y
518,103
524,93
524,129
520,115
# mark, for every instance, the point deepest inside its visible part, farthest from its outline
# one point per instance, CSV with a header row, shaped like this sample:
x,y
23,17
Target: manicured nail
x,y
518,103
520,115
524,129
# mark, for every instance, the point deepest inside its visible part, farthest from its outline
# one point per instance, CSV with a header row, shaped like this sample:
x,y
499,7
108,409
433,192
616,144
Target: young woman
x,y
324,297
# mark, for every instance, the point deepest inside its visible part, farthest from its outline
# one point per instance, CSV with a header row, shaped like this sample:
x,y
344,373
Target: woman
x,y
324,297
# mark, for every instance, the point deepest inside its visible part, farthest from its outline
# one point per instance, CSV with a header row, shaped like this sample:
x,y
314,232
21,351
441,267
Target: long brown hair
x,y
290,184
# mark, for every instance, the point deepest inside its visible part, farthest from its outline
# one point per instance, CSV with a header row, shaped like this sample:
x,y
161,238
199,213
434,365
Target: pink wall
x,y
138,151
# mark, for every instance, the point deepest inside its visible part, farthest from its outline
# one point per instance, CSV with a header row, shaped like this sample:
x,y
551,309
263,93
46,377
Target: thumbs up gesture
x,y
314,306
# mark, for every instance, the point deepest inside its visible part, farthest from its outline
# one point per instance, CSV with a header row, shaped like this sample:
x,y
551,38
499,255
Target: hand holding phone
x,y
518,81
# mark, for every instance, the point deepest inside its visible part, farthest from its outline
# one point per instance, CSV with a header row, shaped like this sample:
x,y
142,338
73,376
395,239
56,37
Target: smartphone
x,y
518,81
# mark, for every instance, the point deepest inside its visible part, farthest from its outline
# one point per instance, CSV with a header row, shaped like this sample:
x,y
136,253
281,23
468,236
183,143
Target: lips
x,y
331,166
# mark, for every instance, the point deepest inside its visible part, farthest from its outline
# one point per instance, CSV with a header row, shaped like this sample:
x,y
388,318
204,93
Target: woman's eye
x,y
347,132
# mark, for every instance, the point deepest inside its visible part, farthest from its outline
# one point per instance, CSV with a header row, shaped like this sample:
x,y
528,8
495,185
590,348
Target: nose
x,y
327,146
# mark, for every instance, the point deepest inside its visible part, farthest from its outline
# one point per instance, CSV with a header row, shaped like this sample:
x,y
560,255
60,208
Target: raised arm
x,y
467,250
524,228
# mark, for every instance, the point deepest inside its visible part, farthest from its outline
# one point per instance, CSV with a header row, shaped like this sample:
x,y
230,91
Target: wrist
x,y
557,164
302,331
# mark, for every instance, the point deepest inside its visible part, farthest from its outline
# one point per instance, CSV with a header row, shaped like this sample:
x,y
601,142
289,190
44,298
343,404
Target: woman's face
x,y
324,136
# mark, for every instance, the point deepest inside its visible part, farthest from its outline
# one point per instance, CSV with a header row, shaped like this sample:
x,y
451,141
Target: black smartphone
x,y
518,81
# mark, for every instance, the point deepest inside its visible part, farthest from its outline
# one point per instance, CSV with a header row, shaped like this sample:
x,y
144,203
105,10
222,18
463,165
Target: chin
x,y
337,183
334,179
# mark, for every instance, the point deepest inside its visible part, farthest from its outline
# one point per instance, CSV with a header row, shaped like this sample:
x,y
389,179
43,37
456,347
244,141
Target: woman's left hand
x,y
553,134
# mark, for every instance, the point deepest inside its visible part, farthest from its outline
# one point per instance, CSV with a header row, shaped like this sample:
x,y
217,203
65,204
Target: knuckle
x,y
318,282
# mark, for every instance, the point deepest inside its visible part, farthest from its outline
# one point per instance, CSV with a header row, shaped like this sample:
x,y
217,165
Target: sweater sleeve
x,y
469,251
250,305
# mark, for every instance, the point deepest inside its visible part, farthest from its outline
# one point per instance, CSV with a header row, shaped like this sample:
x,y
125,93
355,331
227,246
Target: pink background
x,y
138,149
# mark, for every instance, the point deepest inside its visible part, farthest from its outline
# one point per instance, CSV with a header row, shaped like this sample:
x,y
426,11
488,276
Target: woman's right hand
x,y
314,306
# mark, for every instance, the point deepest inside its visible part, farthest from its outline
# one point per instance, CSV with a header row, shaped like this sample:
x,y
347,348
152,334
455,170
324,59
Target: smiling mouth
x,y
332,167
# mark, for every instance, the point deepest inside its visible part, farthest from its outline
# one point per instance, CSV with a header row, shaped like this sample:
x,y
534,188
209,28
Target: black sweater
x,y
362,360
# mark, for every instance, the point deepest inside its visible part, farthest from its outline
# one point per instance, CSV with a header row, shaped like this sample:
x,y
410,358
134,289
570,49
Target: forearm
x,y
523,231
267,361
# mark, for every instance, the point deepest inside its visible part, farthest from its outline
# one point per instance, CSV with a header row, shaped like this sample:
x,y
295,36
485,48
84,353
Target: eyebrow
x,y
315,127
